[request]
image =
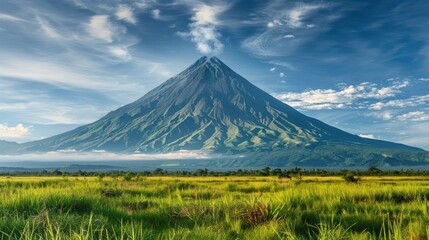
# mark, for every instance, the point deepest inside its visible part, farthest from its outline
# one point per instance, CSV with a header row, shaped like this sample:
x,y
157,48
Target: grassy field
x,y
213,208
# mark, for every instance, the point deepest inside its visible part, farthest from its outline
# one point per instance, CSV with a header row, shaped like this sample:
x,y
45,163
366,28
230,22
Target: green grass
x,y
213,208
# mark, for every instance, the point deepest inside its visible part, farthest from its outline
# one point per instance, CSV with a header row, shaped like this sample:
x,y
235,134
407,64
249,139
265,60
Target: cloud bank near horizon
x,y
101,155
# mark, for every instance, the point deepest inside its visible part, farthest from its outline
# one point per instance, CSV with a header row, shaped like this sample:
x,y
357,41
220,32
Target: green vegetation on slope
x,y
131,207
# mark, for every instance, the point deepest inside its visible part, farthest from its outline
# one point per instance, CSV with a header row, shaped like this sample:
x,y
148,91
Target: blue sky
x,y
362,66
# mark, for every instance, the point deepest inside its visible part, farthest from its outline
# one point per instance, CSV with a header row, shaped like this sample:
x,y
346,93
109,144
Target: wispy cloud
x,y
41,105
48,29
11,18
414,134
283,64
34,69
295,17
280,18
156,13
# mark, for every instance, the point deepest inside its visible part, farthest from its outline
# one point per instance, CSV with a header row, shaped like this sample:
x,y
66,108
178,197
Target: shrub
x,y
349,177
128,176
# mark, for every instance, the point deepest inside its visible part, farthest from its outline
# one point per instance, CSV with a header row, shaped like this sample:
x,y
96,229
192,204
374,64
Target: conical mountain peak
x,y
204,71
208,63
210,107
208,60
214,61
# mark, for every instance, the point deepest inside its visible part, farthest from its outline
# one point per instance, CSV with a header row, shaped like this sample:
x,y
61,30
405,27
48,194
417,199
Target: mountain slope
x,y
210,107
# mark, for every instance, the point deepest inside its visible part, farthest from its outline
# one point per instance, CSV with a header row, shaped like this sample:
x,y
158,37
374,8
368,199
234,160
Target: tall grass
x,y
213,208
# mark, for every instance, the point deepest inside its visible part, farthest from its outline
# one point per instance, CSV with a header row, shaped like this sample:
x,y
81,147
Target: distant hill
x,y
210,107
7,147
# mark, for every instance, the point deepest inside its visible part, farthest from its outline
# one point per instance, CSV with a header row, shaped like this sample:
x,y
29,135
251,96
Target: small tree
x,y
283,175
265,171
276,172
349,177
57,172
158,171
101,176
374,171
128,176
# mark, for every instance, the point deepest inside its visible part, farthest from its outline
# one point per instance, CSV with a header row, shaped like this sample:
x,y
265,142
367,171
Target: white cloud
x,y
156,14
120,52
206,15
204,32
125,13
141,4
282,75
72,150
273,69
370,136
416,116
384,115
274,23
289,36
101,155
424,79
345,97
101,28
401,103
18,131
10,18
99,151
207,40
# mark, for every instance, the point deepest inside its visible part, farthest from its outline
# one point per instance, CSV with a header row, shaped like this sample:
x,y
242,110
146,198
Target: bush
x,y
349,177
128,176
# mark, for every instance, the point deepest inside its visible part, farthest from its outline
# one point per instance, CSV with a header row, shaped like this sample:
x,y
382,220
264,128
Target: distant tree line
x,y
267,171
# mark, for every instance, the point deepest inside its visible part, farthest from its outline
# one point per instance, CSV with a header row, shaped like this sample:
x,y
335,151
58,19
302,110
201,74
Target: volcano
x,y
210,107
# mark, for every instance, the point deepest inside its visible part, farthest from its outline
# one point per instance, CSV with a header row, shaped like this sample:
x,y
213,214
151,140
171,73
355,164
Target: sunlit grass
x,y
213,208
